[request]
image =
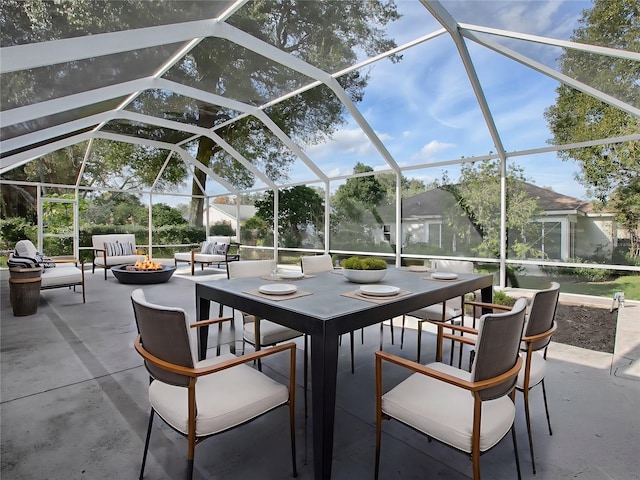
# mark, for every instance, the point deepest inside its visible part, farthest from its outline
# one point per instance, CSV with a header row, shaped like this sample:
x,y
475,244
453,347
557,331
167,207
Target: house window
x,y
386,233
434,234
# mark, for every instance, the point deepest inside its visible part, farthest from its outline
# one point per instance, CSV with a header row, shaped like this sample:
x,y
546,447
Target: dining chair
x,y
200,399
311,264
469,411
446,312
271,333
538,330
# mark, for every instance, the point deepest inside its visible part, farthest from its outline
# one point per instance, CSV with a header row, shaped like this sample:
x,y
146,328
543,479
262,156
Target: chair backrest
x,y
26,248
250,268
316,263
497,348
98,241
453,266
219,239
542,313
165,333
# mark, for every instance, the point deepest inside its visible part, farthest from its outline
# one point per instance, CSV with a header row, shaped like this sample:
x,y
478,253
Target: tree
x,y
116,208
610,172
477,203
355,205
300,211
165,215
214,65
408,186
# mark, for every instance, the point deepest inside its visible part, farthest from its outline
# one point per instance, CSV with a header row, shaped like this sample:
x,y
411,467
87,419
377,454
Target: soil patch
x,y
587,327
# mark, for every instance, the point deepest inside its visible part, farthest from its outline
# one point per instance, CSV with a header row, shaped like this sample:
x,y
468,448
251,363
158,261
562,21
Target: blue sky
x,y
424,108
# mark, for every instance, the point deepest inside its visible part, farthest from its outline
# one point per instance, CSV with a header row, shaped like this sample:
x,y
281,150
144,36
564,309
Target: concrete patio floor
x,y
74,404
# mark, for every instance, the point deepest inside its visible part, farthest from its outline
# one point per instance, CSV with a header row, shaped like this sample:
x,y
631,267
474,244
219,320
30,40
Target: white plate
x,y
444,276
419,268
277,289
291,274
379,290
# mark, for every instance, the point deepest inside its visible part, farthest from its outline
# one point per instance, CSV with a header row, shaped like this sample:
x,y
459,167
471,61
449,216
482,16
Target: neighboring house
x,y
219,213
568,228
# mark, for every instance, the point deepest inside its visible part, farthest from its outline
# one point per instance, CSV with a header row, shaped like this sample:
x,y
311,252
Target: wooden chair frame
x,y
195,373
529,341
473,387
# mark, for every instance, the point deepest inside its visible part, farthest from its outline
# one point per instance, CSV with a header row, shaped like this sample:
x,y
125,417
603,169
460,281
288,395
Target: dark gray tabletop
x,y
327,305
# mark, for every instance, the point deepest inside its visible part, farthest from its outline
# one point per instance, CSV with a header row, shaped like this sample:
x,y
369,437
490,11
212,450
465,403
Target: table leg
x,y
486,294
324,371
202,313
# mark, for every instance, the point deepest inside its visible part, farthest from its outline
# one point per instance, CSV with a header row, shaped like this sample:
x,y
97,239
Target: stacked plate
x,y
378,290
290,274
444,276
278,289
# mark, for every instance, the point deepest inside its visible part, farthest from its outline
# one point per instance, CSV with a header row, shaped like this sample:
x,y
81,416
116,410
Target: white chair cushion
x,y
537,371
209,258
434,313
118,260
61,275
224,399
270,333
445,412
184,256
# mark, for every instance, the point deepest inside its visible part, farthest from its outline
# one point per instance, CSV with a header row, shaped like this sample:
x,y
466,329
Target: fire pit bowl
x,y
126,274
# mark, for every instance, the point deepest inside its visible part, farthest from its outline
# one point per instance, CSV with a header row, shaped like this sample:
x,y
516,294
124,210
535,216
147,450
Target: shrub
x,y
502,298
355,263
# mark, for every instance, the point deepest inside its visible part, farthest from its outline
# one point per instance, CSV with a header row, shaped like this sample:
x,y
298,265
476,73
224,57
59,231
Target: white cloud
x,y
347,141
428,151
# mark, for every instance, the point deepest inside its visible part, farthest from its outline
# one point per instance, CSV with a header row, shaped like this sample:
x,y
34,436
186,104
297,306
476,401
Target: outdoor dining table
x,y
325,306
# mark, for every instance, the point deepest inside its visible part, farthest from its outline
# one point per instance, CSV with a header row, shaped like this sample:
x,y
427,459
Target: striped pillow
x,y
117,249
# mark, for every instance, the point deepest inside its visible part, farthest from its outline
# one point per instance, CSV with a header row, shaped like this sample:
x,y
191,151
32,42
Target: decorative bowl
x,y
363,276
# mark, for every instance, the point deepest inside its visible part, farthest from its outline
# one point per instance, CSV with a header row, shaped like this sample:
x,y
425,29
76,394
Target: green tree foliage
x,y
346,27
355,216
408,187
116,208
300,210
477,204
610,172
162,214
217,65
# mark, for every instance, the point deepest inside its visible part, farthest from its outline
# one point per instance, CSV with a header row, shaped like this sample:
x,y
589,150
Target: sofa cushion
x,y
219,239
207,248
117,260
220,249
119,248
25,248
63,275
97,241
202,258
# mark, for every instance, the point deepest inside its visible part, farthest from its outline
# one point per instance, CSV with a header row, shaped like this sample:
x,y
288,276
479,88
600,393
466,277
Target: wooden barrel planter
x,y
24,290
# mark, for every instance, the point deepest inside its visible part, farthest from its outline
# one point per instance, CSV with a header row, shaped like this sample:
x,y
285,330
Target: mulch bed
x,y
592,328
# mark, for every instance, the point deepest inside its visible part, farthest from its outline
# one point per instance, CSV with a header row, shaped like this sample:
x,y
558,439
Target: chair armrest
x,y
438,375
211,321
249,357
488,305
540,336
422,369
198,372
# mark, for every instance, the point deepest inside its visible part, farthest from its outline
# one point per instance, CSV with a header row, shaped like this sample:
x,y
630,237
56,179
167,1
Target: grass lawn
x,y
629,284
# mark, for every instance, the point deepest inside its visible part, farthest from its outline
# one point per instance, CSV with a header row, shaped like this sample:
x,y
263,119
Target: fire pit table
x,y
129,274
